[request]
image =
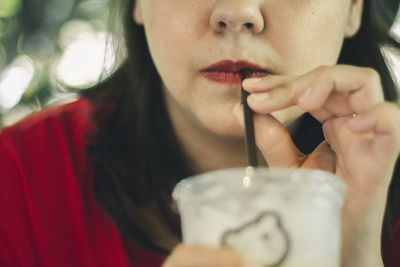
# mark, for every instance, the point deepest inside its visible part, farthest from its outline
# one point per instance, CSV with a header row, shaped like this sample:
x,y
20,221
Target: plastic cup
x,y
274,217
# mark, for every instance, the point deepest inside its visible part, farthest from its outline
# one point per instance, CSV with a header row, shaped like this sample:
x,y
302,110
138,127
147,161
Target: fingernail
x,y
305,95
260,96
253,80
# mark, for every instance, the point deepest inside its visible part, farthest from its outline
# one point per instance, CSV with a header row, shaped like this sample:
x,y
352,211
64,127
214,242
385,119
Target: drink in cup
x,y
275,217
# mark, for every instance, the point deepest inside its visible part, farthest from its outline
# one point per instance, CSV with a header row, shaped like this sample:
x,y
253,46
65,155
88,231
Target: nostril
x,y
222,24
248,25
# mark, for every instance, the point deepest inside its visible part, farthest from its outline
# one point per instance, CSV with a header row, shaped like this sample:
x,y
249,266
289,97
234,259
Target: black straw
x,y
249,139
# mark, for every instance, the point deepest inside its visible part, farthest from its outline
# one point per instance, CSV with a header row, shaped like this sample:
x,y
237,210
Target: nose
x,y
237,15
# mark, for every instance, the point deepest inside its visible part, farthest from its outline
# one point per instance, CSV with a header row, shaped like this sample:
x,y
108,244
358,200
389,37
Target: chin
x,y
225,127
230,132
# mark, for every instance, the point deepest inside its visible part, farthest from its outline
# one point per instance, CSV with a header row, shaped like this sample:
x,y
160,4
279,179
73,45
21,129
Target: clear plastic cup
x,y
275,217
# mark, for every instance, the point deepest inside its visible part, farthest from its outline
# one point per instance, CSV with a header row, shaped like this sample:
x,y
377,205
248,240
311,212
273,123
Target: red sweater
x,y
48,212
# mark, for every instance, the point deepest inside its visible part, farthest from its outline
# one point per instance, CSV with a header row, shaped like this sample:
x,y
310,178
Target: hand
x,y
202,256
361,150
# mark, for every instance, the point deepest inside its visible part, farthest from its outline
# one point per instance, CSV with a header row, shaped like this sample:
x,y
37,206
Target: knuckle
x,y
372,75
291,90
323,74
323,69
286,92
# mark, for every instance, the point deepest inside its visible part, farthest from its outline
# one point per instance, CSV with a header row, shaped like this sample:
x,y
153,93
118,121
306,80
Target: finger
x,y
341,90
361,87
336,106
262,84
383,124
278,98
340,137
323,114
279,95
322,158
371,140
382,119
273,140
202,256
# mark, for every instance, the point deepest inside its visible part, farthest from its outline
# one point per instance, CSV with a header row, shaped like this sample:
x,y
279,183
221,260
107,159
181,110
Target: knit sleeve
x,y
15,224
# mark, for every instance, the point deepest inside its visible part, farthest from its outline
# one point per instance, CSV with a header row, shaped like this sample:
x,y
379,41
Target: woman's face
x,y
283,37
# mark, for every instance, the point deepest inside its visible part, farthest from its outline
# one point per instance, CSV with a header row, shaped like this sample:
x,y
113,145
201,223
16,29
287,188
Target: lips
x,y
227,71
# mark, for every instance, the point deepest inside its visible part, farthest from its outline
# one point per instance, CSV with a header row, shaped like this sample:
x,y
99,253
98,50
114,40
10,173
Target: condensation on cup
x,y
272,217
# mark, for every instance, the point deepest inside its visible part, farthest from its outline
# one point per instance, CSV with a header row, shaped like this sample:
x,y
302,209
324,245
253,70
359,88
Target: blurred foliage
x,y
34,36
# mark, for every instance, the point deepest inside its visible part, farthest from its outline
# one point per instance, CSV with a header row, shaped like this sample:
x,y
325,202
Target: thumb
x,y
273,141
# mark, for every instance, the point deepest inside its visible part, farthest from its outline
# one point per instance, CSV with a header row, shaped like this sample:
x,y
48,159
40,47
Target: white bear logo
x,y
263,239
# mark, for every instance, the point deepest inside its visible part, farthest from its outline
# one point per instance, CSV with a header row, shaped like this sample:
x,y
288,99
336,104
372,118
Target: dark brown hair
x,y
136,154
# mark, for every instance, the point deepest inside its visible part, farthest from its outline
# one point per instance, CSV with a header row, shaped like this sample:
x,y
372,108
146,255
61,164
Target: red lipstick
x,y
228,71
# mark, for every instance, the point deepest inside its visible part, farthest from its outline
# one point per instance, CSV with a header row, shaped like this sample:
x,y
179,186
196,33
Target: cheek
x,y
312,36
176,34
171,42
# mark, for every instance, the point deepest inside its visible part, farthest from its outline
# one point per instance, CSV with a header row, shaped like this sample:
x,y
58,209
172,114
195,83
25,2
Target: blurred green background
x,y
47,46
